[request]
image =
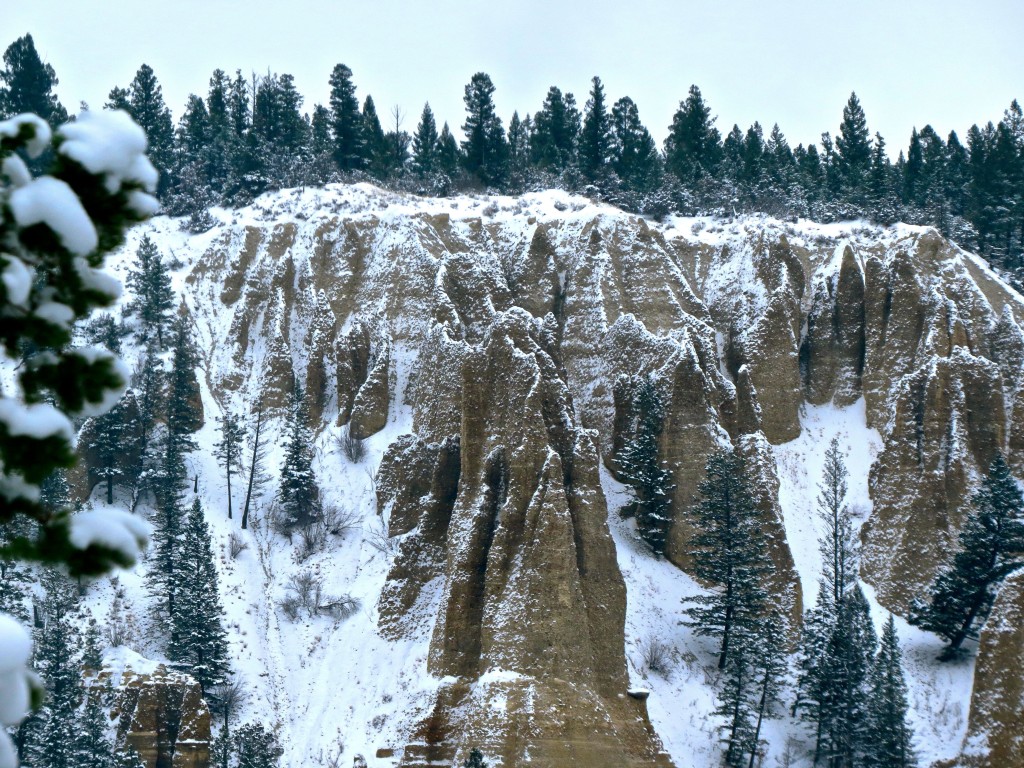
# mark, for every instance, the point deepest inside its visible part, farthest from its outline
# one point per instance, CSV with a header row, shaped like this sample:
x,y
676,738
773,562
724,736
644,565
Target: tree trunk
x,y
252,466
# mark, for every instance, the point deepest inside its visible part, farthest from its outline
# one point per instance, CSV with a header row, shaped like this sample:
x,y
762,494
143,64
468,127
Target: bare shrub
x,y
120,628
377,537
226,698
306,593
657,656
328,521
352,447
236,545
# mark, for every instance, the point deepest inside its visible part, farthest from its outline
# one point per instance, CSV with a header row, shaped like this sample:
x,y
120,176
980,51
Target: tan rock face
x,y
164,717
994,734
505,338
949,423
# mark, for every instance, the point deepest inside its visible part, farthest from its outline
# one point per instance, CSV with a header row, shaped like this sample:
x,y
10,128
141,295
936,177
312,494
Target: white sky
x,y
911,62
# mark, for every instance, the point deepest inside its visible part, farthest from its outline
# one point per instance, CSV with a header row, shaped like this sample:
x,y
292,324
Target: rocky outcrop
x,y
162,715
506,335
948,425
833,348
994,735
531,594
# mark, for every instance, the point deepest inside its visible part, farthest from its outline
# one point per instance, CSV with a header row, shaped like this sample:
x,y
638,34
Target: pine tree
x,y
837,545
730,552
50,261
375,149
891,743
113,439
553,142
448,157
596,137
347,122
198,639
255,747
484,151
145,103
92,748
28,83
475,759
55,723
638,463
990,547
154,298
853,149
424,144
634,153
298,493
229,450
693,146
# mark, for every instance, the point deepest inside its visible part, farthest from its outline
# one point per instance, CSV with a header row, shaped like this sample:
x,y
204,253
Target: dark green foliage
x,y
638,463
838,643
596,138
633,151
890,743
730,552
424,144
113,438
154,298
93,749
298,495
144,101
255,747
228,451
991,544
198,640
484,152
693,147
346,121
475,759
375,149
853,149
28,83
556,128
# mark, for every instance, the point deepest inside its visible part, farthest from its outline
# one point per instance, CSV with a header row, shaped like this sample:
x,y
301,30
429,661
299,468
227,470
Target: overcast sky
x,y
911,62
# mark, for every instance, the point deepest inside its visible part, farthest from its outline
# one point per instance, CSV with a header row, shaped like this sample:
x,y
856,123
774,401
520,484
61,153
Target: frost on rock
x,y
53,203
112,529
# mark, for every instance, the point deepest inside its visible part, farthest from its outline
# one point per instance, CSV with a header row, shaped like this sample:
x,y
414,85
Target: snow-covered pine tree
x,y
346,122
475,759
734,702
596,136
228,451
56,231
990,549
638,463
154,298
113,438
198,639
424,144
837,545
891,742
256,747
730,552
50,741
298,493
842,684
92,747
